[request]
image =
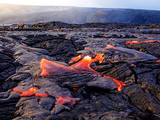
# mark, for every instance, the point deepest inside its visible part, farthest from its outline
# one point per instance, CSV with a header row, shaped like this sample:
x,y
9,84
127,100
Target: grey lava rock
x,y
86,96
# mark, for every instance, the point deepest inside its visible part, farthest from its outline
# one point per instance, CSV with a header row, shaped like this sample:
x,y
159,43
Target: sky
x,y
135,4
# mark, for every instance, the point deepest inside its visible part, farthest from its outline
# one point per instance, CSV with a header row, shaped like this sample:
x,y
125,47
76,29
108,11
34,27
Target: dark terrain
x,y
137,65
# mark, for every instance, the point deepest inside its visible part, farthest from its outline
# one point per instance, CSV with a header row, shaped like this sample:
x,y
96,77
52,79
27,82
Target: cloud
x,y
136,4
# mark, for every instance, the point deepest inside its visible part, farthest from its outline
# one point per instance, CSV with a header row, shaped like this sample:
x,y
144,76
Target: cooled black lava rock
x,y
150,48
7,69
59,46
140,99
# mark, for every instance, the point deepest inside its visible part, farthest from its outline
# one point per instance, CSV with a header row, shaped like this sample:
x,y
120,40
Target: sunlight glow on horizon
x,y
80,3
135,4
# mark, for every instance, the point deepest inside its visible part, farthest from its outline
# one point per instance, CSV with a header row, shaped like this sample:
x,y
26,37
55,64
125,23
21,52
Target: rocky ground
x,y
90,97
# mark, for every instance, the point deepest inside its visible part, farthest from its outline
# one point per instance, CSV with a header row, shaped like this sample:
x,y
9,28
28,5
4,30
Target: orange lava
x,y
50,68
7,53
36,77
105,36
66,100
135,42
57,29
75,59
17,90
23,44
30,92
119,83
133,65
110,47
84,65
76,87
157,61
87,49
41,95
99,57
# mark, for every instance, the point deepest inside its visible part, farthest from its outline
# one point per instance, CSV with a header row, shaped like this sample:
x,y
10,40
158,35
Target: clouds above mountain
x,y
31,14
134,4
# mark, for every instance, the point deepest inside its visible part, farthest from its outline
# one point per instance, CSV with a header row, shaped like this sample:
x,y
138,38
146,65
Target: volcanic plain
x,y
58,71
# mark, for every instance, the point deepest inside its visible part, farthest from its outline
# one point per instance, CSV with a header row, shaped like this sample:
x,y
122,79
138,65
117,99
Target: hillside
x,y
32,14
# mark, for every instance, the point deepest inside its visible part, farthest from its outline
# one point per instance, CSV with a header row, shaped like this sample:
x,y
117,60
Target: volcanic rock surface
x,y
74,91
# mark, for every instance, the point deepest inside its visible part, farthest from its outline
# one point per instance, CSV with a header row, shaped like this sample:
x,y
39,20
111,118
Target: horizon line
x,y
79,6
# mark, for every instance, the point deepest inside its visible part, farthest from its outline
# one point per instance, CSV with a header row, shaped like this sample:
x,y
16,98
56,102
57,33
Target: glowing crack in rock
x,y
9,53
136,42
119,83
76,87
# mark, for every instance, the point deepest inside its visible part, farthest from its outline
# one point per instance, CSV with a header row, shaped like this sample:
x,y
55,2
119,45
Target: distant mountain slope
x,y
33,14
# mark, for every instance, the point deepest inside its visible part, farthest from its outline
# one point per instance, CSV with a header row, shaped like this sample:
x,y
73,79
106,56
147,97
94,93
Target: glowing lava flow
x,y
99,57
110,47
30,92
75,59
158,61
119,83
136,42
51,68
9,53
105,36
84,65
66,100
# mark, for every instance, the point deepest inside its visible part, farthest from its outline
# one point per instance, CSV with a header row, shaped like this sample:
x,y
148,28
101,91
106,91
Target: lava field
x,y
109,72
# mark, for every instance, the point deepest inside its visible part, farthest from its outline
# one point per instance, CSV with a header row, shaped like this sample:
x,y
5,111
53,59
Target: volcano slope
x,y
115,76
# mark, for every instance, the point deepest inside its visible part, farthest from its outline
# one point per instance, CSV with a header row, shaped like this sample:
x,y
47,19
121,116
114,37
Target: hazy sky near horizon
x,y
135,4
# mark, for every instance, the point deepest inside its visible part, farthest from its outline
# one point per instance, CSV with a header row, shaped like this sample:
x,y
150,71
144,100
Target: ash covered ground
x,y
131,54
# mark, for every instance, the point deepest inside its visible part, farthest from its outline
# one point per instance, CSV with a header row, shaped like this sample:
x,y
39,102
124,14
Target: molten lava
x,y
36,77
87,49
84,65
30,92
15,90
133,65
99,57
110,47
41,94
50,68
23,44
157,61
105,36
119,83
76,87
9,53
66,100
136,42
75,59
